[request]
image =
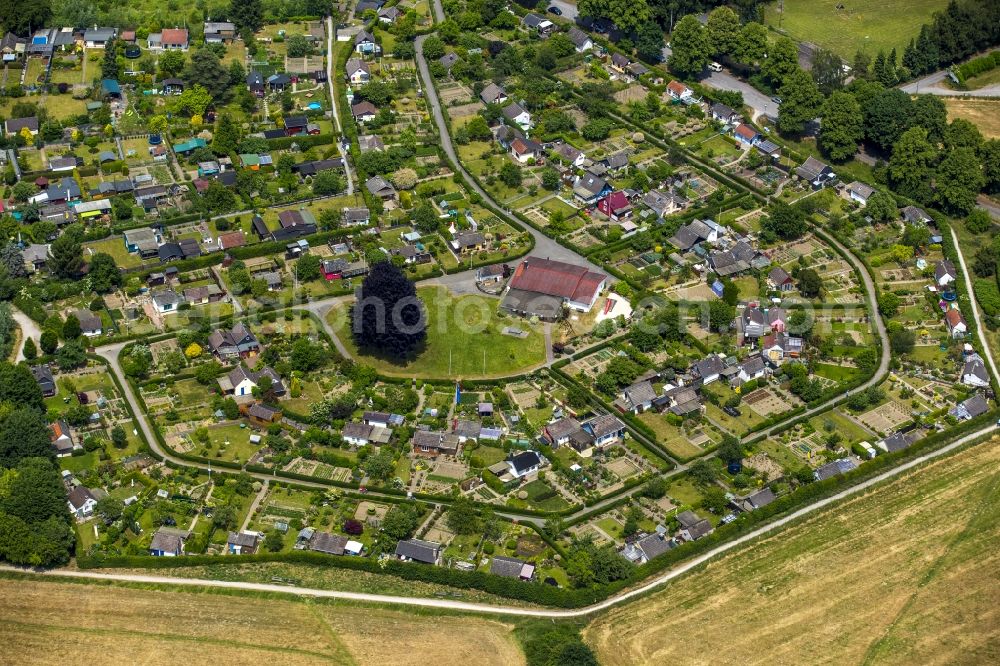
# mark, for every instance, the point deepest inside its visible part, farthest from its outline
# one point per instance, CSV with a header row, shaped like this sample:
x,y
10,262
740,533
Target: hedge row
x,y
537,592
977,66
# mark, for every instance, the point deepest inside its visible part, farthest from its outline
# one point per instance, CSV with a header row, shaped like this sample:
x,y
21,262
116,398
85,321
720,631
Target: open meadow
x,y
466,338
905,574
48,622
846,27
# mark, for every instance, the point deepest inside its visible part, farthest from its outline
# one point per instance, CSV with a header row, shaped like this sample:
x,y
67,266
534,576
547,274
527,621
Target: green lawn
x,y
669,436
859,26
748,286
848,429
684,492
837,373
464,339
611,527
115,246
61,107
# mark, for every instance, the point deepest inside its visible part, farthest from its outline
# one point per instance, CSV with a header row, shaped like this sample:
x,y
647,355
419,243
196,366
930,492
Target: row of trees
x,y
953,35
35,526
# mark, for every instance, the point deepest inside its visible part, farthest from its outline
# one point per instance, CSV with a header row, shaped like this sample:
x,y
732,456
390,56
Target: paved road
x,y
544,246
470,607
569,11
331,31
935,84
757,101
989,206
980,328
29,329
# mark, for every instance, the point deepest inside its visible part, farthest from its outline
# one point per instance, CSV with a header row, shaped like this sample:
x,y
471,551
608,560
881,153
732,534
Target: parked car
x,y
554,10
715,67
776,99
732,411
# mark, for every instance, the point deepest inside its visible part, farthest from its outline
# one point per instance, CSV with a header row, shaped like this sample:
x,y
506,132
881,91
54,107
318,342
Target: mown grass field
x,y
464,340
905,574
863,26
44,622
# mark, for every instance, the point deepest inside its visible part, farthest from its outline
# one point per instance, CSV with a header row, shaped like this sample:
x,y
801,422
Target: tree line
x,y
35,525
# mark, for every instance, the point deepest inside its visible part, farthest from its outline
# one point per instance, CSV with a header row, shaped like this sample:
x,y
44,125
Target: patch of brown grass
x,y
984,113
51,621
906,573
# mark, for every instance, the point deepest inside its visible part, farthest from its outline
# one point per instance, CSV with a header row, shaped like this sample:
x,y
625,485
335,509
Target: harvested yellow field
x,y
49,622
907,574
983,113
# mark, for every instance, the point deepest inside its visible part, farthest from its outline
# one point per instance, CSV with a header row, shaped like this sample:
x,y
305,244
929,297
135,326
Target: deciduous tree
x,y
842,128
800,102
690,46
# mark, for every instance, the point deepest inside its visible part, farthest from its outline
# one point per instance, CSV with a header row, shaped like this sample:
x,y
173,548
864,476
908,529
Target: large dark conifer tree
x,y
388,318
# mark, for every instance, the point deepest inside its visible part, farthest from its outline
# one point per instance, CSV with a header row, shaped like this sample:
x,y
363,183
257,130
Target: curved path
x,y
29,329
498,609
544,246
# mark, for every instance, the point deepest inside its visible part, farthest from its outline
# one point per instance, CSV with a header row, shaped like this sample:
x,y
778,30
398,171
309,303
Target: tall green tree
x,y
827,71
23,434
958,179
628,15
206,70
19,388
887,116
248,15
782,60
227,136
109,65
67,256
387,316
752,45
991,165
911,166
691,48
723,31
961,133
800,102
103,273
843,126
649,41
929,112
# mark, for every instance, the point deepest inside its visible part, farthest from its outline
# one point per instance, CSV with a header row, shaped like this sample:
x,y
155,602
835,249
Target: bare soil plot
x,y
454,92
763,463
624,468
451,470
465,110
698,292
766,402
904,574
885,418
634,93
